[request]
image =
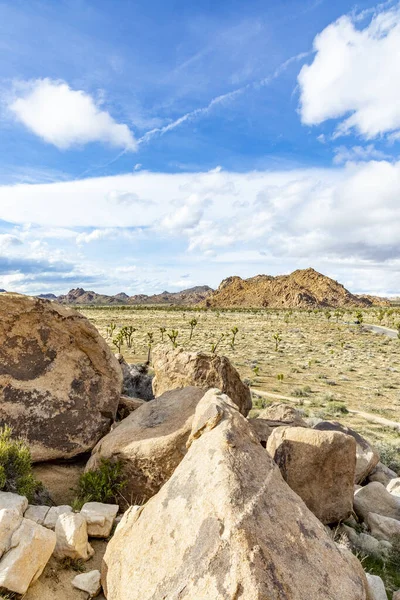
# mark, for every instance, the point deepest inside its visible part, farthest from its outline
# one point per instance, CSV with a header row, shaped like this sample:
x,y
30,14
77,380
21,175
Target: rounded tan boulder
x,y
177,368
150,442
319,466
59,383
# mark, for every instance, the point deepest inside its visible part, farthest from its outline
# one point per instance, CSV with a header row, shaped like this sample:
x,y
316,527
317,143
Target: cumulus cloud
x,y
357,153
355,76
338,219
65,117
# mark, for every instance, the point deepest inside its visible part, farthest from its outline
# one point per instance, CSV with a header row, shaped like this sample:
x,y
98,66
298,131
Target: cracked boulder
x,y
60,384
177,368
227,526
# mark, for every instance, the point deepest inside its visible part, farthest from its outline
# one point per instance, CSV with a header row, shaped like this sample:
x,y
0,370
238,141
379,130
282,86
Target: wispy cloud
x,y
222,99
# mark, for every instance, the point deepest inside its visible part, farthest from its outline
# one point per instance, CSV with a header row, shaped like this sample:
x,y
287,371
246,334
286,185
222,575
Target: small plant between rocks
x,y
105,484
16,473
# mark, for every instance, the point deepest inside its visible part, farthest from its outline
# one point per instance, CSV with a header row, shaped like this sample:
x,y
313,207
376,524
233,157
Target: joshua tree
x,y
128,332
280,377
192,323
359,317
380,315
162,331
215,345
256,370
173,336
110,329
118,341
150,341
278,340
328,314
338,313
234,332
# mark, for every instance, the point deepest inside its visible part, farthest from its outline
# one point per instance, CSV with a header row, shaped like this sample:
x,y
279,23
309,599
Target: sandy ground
x,y
60,479
55,581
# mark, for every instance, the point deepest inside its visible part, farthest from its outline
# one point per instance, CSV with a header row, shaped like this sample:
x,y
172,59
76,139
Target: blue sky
x,y
150,146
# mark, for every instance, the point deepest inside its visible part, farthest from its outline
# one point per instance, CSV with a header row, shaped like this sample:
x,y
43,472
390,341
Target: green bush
x,y
105,484
16,466
334,408
390,455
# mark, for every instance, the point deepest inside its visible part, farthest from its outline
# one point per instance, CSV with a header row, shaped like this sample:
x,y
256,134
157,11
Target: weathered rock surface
x,y
261,429
99,518
226,526
396,595
59,382
319,466
51,517
382,474
88,582
394,486
278,414
374,498
10,520
366,543
151,442
376,587
37,514
137,383
127,405
383,528
367,456
13,501
176,368
31,546
72,537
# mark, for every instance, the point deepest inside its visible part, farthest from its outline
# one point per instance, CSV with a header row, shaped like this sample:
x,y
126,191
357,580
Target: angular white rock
x,y
31,547
37,514
99,518
376,587
10,520
10,500
53,514
394,486
72,537
88,582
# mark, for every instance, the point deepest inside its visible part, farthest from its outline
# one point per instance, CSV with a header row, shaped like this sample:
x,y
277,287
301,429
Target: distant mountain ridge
x,y
82,297
304,288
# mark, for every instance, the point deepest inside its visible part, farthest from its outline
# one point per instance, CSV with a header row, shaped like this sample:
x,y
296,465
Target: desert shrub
x,y
301,392
71,564
259,402
16,466
388,568
334,408
104,484
390,455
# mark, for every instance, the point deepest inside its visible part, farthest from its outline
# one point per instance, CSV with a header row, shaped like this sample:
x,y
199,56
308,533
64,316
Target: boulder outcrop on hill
x,y
59,383
177,368
304,288
319,466
226,526
150,442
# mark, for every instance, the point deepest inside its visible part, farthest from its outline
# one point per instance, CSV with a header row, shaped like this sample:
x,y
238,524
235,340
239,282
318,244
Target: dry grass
x,y
323,362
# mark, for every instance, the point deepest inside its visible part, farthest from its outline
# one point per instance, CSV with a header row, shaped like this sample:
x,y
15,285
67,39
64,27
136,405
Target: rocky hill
x,y
185,297
301,289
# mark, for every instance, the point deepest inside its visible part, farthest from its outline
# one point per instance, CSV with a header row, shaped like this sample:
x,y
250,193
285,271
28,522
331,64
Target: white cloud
x,y
342,220
357,154
65,117
355,75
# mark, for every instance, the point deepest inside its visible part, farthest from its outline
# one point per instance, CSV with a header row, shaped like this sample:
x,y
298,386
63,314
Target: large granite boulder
x,y
151,442
227,527
319,466
367,456
279,414
177,368
59,383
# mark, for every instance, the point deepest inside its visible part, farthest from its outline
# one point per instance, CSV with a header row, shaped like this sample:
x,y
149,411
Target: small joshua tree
x,y
256,370
328,314
380,315
173,335
118,341
162,331
280,377
110,329
278,340
128,332
359,317
150,341
234,332
192,323
215,345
